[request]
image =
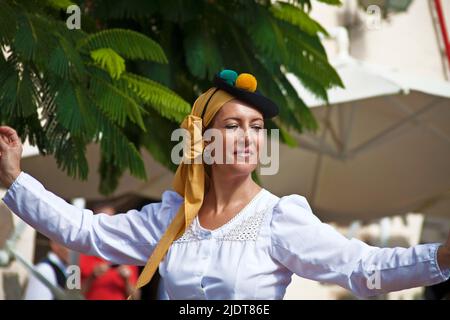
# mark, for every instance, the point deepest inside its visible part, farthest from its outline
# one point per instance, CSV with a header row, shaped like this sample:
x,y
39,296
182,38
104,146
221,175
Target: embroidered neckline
x,y
232,220
247,228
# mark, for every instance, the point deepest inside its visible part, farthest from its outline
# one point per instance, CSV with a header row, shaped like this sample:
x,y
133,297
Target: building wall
x,y
405,41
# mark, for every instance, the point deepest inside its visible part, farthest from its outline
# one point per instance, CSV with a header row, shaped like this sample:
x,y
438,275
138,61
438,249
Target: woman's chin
x,y
242,168
239,164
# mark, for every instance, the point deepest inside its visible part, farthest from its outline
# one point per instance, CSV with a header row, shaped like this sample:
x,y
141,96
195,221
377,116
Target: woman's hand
x,y
100,270
124,272
10,155
443,255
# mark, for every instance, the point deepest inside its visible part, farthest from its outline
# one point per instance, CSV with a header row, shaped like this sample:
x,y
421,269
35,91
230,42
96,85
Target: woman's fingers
x,y
10,155
10,133
3,144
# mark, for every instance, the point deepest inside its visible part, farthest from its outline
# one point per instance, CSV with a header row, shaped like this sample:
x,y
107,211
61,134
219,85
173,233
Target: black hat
x,y
243,87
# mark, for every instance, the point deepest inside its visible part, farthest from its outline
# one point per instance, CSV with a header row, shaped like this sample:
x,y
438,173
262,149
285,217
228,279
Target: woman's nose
x,y
245,136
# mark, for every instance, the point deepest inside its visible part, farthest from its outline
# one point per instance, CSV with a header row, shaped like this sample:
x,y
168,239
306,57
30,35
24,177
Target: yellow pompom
x,y
247,82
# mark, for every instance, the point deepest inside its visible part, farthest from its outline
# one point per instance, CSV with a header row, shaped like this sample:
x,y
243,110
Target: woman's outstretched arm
x,y
123,238
315,250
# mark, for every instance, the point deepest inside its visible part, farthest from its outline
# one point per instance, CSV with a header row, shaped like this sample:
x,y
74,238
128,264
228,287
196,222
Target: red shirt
x,y
108,286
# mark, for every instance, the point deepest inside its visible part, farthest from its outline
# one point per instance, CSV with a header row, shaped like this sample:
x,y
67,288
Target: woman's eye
x,y
257,128
231,126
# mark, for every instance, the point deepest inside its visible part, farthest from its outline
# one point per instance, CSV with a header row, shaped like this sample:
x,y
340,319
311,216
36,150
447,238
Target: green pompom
x,y
229,76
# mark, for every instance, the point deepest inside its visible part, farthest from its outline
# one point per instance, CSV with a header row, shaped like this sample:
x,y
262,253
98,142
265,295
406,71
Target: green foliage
x,y
114,81
59,4
297,17
262,38
128,43
62,89
109,60
166,103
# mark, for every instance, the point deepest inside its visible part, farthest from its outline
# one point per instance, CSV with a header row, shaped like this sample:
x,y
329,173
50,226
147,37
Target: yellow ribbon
x,y
190,178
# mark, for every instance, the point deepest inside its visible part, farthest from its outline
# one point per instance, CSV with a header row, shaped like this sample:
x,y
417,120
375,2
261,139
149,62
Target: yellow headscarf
x,y
190,178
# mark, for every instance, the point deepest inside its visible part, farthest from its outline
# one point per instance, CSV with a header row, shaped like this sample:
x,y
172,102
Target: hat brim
x,y
267,107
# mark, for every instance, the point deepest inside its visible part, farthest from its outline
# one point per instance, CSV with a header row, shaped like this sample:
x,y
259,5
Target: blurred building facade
x,y
409,42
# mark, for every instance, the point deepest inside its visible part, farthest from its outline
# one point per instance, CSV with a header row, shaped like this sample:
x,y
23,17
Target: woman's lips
x,y
243,153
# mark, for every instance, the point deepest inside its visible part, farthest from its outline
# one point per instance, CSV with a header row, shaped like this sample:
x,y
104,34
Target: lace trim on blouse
x,y
247,230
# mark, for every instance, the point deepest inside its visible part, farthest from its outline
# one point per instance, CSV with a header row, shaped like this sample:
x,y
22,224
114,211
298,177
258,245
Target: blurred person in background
x,y
440,291
101,280
53,267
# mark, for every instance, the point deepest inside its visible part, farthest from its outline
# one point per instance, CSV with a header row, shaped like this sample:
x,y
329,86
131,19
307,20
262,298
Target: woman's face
x,y
241,128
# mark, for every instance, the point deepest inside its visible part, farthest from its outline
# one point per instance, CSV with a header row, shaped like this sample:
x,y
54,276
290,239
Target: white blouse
x,y
253,256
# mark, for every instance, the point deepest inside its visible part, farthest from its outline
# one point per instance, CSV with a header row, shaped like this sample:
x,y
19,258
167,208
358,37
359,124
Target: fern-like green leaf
x,y
8,24
72,110
307,60
71,157
110,61
59,63
300,110
297,17
59,4
117,149
34,39
166,102
203,56
127,43
110,174
8,89
65,62
18,95
25,39
115,103
264,32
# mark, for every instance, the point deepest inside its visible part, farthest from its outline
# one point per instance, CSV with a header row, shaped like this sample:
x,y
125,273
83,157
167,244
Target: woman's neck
x,y
226,191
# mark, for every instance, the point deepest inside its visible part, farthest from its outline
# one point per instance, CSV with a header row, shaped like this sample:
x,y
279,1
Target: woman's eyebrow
x,y
239,119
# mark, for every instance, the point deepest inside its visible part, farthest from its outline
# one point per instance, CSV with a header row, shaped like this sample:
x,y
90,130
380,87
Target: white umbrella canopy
x,y
383,148
45,170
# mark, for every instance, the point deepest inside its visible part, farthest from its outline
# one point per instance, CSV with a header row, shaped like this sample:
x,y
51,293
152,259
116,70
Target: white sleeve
x,y
123,238
36,289
316,251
